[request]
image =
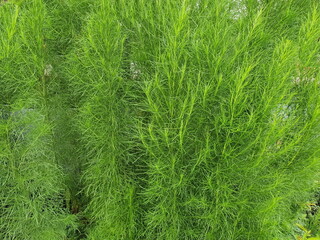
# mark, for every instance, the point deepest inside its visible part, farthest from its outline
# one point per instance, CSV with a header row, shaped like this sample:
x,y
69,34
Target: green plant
x,y
32,186
190,119
213,115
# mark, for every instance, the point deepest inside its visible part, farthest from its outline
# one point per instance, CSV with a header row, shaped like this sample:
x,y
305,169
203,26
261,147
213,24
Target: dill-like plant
x,y
158,119
31,182
199,119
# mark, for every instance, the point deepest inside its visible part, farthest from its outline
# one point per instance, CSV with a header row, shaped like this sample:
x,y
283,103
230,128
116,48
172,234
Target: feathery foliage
x,y
32,189
189,119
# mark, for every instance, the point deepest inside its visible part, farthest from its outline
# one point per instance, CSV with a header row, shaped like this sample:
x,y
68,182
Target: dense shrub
x,y
32,187
158,119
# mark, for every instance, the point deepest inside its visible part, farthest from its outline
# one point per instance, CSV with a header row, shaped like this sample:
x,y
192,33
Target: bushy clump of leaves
x,y
32,188
191,119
